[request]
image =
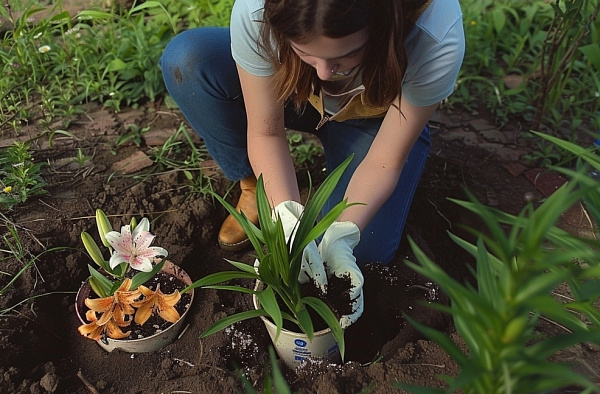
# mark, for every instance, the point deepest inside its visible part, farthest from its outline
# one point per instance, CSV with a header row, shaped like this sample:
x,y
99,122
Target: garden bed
x,y
41,349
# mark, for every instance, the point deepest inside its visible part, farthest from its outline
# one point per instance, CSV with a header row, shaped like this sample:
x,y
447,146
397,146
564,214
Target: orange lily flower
x,y
156,301
114,311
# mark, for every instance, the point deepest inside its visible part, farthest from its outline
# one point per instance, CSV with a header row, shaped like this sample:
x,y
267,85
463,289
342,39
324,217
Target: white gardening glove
x,y
336,250
312,265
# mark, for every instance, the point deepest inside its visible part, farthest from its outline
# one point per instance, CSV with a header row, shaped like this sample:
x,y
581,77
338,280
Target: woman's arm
x,y
377,175
267,144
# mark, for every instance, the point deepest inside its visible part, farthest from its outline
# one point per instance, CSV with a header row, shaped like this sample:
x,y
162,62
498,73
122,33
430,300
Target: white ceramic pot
x,y
295,347
142,345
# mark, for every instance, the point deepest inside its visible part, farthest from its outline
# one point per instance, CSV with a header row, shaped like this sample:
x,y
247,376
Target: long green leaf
x,y
314,206
229,320
103,284
219,277
242,266
239,289
304,321
253,233
142,277
332,322
269,303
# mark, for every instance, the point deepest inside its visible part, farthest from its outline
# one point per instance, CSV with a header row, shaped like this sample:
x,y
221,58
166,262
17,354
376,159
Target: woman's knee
x,y
190,51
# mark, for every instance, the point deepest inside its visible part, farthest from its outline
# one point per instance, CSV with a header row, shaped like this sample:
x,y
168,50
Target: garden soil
x,y
41,350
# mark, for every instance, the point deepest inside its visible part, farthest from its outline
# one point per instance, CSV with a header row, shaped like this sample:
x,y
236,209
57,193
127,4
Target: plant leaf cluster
x,y
20,177
516,272
551,47
280,263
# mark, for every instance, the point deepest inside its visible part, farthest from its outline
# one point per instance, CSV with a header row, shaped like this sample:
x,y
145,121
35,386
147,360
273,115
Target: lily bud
x,y
103,226
93,249
133,223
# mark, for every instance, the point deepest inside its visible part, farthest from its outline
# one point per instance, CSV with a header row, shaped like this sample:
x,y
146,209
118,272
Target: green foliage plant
x,y
168,158
133,134
20,177
550,46
81,159
302,152
565,37
280,263
516,272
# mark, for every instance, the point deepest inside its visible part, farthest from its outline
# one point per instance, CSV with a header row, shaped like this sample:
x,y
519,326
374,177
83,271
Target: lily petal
x,y
158,251
142,239
91,330
143,313
118,258
113,331
120,241
125,285
143,225
100,304
141,263
166,301
90,316
146,291
105,318
170,314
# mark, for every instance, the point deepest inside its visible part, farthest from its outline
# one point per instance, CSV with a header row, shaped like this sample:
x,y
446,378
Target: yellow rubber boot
x,y
231,236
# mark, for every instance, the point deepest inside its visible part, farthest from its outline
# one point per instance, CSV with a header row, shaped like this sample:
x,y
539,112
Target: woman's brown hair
x,y
388,23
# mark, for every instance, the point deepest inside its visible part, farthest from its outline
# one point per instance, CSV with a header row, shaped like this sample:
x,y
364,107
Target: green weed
x,y
133,134
302,152
20,177
12,248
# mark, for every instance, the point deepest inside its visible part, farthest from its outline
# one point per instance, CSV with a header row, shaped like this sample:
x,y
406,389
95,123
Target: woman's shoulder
x,y
250,6
440,17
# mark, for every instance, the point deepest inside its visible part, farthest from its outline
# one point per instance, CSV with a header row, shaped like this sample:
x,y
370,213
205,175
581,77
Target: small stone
x,y
529,197
512,81
101,385
166,364
49,382
138,161
35,388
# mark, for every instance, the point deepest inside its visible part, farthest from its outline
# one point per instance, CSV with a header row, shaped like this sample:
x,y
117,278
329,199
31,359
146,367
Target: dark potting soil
x,y
337,299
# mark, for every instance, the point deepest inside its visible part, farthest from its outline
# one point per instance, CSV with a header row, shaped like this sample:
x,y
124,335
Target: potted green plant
x,y
277,293
114,299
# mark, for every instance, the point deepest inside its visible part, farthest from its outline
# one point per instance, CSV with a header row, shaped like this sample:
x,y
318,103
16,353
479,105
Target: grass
x,y
50,70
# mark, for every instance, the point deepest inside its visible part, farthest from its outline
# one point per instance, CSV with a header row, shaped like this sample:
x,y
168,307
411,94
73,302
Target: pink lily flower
x,y
135,248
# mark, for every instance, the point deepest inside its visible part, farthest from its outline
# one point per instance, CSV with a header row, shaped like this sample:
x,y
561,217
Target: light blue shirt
x,y
435,48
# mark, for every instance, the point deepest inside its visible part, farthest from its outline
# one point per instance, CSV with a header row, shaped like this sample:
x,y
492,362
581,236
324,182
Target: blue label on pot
x,y
300,342
332,350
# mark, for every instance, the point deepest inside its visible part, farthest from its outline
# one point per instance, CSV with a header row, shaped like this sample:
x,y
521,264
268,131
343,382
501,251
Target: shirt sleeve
x,y
246,17
435,51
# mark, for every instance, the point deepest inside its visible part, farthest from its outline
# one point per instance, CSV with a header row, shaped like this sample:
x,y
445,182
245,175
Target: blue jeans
x,y
201,76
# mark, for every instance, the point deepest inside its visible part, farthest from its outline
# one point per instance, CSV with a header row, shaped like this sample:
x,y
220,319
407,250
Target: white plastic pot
x,y
141,345
295,347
